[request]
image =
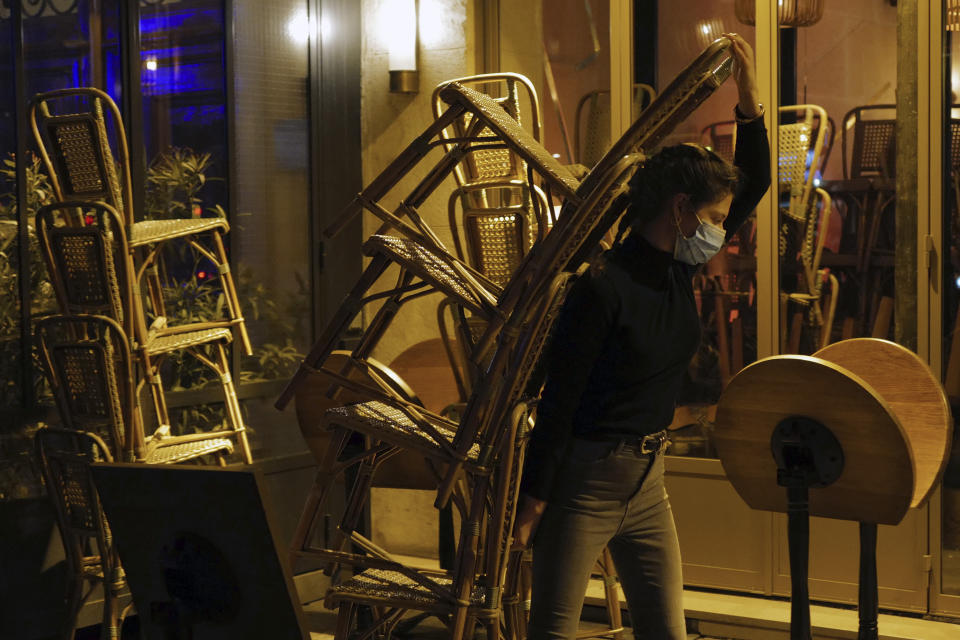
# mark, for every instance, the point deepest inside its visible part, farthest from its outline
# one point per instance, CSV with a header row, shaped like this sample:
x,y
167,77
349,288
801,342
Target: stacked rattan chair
x,y
92,558
98,255
492,213
93,376
73,129
93,274
475,458
805,217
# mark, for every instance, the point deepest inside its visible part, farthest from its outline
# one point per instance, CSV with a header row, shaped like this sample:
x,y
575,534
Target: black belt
x,y
653,443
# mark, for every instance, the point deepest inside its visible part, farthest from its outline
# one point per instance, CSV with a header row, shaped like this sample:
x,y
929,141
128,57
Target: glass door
x,y
839,234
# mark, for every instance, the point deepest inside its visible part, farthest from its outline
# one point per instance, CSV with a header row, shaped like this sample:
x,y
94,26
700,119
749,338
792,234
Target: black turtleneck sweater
x,y
625,335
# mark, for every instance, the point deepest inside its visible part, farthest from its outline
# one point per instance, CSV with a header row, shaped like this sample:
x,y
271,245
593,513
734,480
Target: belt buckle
x,y
653,443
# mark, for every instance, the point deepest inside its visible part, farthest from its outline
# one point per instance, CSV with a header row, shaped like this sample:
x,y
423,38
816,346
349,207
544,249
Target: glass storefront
x,y
220,129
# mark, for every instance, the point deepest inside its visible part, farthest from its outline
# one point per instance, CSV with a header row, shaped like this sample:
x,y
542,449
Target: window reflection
x,y
852,217
726,286
575,95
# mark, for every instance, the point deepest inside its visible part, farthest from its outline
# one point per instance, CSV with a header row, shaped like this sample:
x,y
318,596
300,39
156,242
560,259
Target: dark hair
x,y
683,168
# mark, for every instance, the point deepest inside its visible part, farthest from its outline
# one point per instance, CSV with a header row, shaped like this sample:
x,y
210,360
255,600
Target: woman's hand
x,y
744,74
528,517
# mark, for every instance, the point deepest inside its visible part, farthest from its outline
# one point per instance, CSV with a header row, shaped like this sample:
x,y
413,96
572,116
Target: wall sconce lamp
x,y
400,22
790,13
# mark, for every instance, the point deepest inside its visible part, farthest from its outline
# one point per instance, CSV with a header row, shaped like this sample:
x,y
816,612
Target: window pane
x,y
575,92
271,238
837,177
726,286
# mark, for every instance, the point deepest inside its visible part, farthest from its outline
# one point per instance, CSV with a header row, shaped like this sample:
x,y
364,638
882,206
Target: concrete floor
x,y
322,623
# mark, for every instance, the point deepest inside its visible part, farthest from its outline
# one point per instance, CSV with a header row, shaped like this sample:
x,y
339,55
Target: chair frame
x,y
92,373
75,149
85,244
870,141
92,558
471,592
513,169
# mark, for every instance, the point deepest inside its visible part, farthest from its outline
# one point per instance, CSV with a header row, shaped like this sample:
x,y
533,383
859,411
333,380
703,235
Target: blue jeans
x,y
608,494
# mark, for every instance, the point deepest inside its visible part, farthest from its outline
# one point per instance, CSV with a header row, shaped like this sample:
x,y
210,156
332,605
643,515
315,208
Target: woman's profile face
x,y
690,217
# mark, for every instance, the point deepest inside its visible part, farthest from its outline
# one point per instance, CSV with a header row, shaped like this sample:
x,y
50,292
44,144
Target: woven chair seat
x,y
426,265
380,585
159,452
166,343
394,426
150,231
511,133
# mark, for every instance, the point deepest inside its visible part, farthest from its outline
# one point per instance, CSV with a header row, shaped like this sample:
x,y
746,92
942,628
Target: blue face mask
x,y
705,243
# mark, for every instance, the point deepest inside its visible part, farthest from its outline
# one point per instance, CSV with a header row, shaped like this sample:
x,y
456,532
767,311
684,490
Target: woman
x,y
625,335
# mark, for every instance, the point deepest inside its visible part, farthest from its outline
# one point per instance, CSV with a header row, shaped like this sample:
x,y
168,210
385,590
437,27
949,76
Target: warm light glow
x,y
435,22
150,64
705,29
326,28
299,27
398,22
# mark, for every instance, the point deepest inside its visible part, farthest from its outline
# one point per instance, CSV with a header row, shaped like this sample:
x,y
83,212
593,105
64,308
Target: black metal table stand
x,y
798,539
869,601
807,455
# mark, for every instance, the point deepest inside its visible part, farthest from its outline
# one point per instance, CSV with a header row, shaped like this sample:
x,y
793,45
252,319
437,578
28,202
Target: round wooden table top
x,y
912,393
877,481
405,470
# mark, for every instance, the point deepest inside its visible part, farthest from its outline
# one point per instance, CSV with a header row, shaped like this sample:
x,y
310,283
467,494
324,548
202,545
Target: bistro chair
x,y
392,424
74,130
91,271
721,137
494,166
801,150
592,121
471,592
809,283
492,456
91,371
868,132
805,213
65,457
494,239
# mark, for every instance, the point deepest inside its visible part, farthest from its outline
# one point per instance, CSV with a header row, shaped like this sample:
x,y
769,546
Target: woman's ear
x,y
679,202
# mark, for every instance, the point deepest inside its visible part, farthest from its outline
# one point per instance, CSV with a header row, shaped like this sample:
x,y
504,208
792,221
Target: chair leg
x,y
612,593
74,602
152,372
232,404
317,498
109,627
344,620
230,294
